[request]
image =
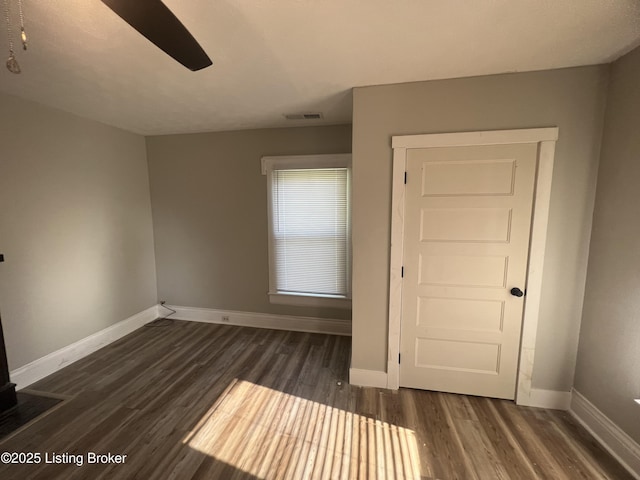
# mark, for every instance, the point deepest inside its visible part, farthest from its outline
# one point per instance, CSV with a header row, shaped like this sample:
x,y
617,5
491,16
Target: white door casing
x,y
542,141
466,244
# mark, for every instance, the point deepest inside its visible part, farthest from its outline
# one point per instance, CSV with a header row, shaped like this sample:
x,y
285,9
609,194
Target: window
x,y
309,229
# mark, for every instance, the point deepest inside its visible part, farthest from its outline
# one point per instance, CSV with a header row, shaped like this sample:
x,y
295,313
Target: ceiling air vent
x,y
304,116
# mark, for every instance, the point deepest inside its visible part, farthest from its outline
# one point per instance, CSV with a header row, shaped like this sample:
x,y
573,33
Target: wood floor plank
x,y
570,460
580,436
509,452
438,436
200,401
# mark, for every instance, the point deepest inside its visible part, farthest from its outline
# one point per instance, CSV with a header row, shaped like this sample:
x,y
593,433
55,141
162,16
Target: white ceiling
x,y
273,57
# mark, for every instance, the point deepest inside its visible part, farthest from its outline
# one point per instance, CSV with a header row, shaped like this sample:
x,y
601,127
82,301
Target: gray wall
x,y
573,100
209,203
609,352
75,228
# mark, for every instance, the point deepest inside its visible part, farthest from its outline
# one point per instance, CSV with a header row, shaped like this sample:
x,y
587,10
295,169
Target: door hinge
x,y
405,178
402,272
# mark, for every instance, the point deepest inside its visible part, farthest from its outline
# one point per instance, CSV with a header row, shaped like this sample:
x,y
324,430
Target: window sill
x,y
326,301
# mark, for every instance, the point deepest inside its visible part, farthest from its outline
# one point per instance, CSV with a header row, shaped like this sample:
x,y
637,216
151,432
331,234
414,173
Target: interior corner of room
x,y
99,225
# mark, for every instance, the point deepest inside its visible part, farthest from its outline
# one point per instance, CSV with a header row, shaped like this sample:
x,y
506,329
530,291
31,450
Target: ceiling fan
x,y
161,27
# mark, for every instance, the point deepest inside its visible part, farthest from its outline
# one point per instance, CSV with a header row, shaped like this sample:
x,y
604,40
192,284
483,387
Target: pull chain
x,y
23,34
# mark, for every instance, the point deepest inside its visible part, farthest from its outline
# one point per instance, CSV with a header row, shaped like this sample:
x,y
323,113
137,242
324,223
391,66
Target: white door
x,y
466,241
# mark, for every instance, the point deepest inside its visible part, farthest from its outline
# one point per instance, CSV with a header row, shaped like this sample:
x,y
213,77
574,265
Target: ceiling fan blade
x,y
160,26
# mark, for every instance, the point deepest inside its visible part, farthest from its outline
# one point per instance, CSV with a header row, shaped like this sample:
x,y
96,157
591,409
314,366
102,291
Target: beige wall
x,y
75,228
573,100
609,352
210,214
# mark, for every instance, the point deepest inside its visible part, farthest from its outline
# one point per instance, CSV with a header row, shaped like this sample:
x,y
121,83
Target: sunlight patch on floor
x,y
270,434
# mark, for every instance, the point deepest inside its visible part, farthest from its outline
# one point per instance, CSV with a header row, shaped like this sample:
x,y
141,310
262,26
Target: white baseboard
x,y
51,363
539,398
547,399
367,378
263,320
607,433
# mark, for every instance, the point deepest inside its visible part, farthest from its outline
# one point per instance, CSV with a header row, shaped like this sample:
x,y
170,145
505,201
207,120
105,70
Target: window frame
x,y
299,162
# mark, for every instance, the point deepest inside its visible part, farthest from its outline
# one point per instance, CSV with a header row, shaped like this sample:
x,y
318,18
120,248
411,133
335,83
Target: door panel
x,y
467,226
462,270
468,177
457,355
460,314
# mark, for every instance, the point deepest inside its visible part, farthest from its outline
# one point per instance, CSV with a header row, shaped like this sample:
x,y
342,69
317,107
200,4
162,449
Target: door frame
x,y
546,139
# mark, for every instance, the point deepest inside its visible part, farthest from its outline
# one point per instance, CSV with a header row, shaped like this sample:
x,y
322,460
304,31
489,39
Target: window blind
x,y
311,232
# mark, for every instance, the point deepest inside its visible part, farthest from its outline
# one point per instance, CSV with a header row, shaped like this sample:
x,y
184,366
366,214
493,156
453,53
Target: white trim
x,y
395,267
549,399
546,138
461,139
323,301
263,320
537,249
337,160
608,434
51,363
367,378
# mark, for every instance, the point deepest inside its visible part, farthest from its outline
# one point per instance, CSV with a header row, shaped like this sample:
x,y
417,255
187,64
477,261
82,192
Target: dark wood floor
x,y
209,401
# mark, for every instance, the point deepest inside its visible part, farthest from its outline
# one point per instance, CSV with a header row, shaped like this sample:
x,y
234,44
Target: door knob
x,y
516,292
